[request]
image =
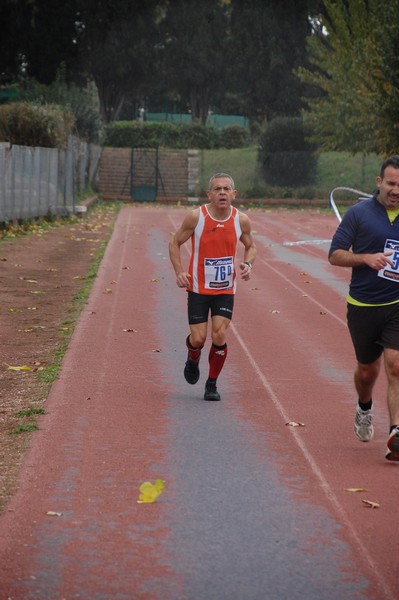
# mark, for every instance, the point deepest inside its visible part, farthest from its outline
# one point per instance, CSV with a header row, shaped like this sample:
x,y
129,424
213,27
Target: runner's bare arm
x,y
249,245
346,258
181,236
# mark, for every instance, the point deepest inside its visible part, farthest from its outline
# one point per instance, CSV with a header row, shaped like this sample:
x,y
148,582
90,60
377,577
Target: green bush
x,y
28,124
151,134
235,136
202,137
286,155
82,102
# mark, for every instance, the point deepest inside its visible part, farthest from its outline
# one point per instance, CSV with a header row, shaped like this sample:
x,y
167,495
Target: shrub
x,y
286,155
202,137
28,124
133,134
235,136
82,102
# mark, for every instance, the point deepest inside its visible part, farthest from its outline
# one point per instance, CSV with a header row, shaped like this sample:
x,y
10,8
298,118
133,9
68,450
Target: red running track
x,y
252,509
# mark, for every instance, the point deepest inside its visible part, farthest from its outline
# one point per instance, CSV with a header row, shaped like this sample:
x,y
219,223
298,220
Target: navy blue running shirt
x,y
365,228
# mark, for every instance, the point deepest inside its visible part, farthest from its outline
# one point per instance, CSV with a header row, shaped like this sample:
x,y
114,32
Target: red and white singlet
x,y
214,246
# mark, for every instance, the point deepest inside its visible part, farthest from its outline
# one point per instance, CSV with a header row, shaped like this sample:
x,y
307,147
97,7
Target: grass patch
x,y
334,169
30,412
49,374
24,428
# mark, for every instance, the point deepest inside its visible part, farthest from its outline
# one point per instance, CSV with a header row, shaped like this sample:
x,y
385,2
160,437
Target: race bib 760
x,y
219,272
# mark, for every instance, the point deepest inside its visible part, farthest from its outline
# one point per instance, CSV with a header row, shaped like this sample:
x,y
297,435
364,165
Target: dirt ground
x,y
42,275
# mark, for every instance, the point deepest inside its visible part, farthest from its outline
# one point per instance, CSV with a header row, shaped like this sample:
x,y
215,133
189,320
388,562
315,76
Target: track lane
x,y
246,495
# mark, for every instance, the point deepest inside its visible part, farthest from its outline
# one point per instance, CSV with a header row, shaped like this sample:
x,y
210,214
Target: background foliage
x,y
334,61
35,125
354,56
133,134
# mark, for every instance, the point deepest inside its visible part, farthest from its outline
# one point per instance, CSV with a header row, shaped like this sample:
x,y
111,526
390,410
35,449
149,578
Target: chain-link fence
x,y
35,182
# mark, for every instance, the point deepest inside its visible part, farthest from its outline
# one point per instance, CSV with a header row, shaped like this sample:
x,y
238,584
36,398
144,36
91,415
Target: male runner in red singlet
x,y
210,281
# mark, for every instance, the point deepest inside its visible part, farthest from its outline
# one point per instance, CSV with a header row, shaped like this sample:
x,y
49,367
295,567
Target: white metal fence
x,y
35,182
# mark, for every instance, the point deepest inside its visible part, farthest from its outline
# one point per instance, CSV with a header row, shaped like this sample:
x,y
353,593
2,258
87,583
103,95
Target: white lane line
x,y
302,290
331,497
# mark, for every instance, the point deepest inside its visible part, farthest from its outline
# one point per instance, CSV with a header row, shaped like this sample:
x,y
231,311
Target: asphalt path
x,y
253,507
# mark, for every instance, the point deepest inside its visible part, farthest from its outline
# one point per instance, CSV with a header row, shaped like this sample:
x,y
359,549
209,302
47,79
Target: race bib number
x,y
219,273
388,272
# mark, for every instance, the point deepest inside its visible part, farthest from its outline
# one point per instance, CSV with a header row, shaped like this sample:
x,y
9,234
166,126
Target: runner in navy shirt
x,y
367,240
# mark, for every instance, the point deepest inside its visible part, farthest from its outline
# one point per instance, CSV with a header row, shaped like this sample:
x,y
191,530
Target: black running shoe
x,y
393,446
191,371
211,392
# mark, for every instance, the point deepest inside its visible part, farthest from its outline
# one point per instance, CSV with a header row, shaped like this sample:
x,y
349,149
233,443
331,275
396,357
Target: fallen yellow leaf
x,y
355,490
149,492
22,368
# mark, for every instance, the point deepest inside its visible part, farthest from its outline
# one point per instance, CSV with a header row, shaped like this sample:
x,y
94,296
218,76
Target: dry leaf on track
x,y
371,504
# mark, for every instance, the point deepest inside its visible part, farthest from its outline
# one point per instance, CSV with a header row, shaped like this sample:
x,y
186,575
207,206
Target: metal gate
x,y
144,174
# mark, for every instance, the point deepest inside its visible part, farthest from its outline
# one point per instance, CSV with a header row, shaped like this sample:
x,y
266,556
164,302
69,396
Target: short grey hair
x,y
218,176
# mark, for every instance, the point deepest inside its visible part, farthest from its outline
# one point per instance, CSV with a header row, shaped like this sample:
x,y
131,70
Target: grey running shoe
x,y
363,426
393,445
211,392
191,371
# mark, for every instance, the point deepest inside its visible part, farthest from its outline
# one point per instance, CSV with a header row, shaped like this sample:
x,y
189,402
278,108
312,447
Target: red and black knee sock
x,y
194,354
217,356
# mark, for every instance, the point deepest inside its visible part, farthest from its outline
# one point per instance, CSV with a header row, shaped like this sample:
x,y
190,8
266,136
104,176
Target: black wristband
x,y
247,262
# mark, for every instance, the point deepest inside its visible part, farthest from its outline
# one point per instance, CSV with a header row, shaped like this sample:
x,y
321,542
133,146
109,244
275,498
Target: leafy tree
x,y
81,102
355,76
37,36
268,41
193,53
116,49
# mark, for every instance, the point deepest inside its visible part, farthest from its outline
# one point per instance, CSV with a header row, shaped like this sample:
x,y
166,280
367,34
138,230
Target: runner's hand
x,y
379,260
183,279
245,271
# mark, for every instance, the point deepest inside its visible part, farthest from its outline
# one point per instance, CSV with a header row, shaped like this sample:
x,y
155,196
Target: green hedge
x,y
29,124
132,134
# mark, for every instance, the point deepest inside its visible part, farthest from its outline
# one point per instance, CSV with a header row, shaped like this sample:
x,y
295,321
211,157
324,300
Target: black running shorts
x,y
199,305
372,329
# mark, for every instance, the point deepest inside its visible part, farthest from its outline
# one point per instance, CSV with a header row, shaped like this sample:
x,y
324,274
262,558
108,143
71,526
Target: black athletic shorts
x,y
199,305
372,329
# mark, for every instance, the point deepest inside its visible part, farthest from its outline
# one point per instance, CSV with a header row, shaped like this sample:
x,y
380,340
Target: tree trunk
x,y
199,103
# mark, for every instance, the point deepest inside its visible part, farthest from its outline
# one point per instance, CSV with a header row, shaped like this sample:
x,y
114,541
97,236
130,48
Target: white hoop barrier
x,y
361,196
